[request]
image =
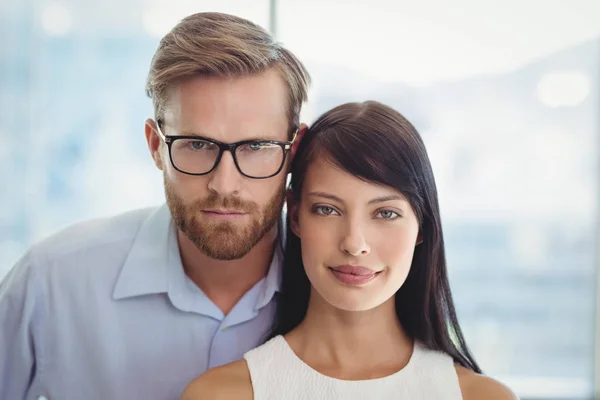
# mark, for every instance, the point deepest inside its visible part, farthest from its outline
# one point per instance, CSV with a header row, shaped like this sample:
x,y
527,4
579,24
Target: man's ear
x,y
301,131
154,142
292,209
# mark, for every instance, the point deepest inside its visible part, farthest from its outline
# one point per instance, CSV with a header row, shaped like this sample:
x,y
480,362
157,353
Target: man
x,y
136,306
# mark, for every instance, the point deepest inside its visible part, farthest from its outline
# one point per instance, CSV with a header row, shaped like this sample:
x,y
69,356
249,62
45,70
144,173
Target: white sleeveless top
x,y
278,373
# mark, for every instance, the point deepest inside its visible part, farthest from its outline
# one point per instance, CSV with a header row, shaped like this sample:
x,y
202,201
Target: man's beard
x,y
224,240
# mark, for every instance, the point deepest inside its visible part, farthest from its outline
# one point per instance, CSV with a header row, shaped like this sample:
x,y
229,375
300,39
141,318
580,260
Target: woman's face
x,y
358,238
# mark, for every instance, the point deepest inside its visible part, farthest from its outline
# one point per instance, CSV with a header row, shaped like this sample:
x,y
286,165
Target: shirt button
x,y
42,398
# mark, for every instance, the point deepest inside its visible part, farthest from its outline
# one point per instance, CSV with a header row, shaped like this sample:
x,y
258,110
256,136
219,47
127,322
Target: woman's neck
x,y
352,345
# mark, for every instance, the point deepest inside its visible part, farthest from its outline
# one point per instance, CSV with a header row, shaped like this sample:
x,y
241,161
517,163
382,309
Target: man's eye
x,y
255,146
197,145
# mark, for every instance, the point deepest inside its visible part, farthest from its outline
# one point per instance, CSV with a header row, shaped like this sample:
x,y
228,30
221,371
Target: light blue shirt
x,y
103,310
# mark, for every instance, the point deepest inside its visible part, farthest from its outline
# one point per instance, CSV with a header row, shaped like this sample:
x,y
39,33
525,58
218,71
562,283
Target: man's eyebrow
x,y
266,137
188,133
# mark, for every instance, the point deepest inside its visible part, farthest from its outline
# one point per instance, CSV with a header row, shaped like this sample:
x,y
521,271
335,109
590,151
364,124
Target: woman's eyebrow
x,y
373,201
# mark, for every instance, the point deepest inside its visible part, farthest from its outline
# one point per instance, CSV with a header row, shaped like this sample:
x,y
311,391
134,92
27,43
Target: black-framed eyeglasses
x,y
197,155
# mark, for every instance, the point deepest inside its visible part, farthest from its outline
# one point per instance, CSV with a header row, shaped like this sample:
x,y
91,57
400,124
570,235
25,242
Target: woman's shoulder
x,y
479,387
230,381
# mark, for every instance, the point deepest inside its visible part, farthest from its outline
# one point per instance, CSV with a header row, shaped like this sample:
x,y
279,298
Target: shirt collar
x,y
154,257
272,282
146,268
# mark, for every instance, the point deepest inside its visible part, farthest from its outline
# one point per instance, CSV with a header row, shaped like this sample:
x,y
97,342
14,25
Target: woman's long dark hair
x,y
374,142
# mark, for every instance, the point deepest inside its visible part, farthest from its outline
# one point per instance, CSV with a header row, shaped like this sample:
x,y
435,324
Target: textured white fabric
x,y
278,373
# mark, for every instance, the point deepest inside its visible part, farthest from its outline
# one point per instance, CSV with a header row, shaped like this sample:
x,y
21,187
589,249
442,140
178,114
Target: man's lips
x,y
223,215
224,212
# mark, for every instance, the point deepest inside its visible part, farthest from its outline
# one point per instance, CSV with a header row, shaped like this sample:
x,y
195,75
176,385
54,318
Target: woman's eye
x,y
324,210
388,214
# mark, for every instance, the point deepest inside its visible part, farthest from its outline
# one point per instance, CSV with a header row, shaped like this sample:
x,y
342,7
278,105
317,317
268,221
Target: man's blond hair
x,y
222,45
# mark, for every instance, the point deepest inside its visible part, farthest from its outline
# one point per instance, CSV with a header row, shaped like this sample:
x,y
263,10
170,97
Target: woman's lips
x,y
354,274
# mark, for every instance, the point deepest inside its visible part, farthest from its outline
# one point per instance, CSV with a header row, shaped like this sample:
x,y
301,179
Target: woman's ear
x,y
292,208
419,238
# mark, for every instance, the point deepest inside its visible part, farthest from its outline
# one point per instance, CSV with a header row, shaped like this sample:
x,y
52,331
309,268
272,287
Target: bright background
x,y
505,94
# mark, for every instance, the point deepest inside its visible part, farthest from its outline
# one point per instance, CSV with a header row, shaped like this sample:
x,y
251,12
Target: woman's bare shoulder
x,y
231,381
479,387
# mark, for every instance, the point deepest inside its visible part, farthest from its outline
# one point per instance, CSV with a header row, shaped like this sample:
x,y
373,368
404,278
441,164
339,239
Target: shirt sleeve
x,y
19,309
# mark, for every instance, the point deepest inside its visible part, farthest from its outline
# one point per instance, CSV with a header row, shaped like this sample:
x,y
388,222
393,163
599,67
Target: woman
x,y
365,309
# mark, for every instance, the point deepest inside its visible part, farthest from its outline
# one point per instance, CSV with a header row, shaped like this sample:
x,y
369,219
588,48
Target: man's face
x,y
225,213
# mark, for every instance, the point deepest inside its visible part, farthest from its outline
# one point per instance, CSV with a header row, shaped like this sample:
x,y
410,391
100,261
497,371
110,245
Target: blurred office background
x,y
505,94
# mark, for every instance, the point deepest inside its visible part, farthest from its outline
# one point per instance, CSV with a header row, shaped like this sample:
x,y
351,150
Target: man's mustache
x,y
215,201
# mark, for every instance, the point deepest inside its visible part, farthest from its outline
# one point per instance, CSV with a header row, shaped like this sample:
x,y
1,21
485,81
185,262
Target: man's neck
x,y
225,282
